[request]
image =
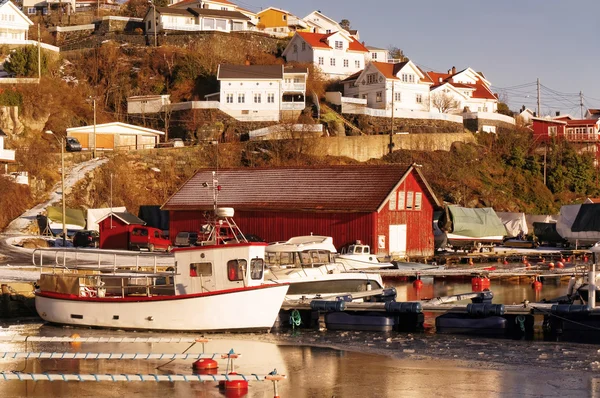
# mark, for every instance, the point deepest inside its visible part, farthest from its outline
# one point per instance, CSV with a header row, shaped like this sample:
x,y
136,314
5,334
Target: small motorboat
x,y
359,256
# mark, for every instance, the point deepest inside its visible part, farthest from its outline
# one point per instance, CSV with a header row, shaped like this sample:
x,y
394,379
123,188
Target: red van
x,y
148,238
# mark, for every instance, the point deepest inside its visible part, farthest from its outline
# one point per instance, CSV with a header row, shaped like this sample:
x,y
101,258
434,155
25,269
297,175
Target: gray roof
x,y
250,72
205,12
177,11
291,69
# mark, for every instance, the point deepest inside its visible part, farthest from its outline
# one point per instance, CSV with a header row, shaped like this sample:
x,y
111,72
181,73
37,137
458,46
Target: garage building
x,y
114,136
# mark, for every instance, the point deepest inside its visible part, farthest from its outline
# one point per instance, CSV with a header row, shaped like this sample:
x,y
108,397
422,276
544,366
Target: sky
x,y
512,42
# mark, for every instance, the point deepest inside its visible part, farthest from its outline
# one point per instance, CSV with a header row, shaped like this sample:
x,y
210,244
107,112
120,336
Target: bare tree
x,y
444,102
397,54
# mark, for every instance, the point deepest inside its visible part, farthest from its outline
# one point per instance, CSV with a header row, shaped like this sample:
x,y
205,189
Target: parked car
x,y
142,237
86,239
72,145
186,239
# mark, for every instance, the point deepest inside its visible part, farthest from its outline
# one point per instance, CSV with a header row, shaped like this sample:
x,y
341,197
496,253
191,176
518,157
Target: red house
x,y
114,230
389,207
566,128
546,130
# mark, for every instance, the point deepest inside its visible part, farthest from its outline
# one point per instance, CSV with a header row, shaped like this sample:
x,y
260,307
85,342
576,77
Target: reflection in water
x,y
312,371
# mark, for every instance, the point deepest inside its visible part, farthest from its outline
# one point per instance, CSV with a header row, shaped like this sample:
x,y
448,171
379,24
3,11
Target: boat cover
x,y
155,217
566,221
74,218
93,215
588,218
546,232
542,218
476,223
514,223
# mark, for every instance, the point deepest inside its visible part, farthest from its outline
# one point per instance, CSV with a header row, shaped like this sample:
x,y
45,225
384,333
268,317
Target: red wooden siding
x,y
344,228
419,230
113,235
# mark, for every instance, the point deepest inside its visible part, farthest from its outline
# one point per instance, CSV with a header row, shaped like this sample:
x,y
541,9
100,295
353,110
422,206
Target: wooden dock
x,y
475,271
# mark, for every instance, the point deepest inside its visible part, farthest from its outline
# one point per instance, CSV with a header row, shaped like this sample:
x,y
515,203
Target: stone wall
x,y
363,148
476,125
377,125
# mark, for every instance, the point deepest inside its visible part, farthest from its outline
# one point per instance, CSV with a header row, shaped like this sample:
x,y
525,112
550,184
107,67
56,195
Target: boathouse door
x,y
398,240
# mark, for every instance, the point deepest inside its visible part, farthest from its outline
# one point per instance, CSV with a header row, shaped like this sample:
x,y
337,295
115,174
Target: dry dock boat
x,y
213,287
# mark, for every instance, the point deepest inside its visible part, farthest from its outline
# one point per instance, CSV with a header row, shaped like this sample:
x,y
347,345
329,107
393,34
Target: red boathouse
x,y
114,230
389,207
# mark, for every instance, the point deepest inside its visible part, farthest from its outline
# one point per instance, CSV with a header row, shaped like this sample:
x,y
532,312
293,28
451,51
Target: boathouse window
x,y
409,200
256,268
418,200
200,269
235,269
400,200
393,201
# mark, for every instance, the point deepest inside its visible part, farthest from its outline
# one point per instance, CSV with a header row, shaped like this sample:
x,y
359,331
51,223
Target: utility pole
x,y
391,144
581,102
94,151
539,99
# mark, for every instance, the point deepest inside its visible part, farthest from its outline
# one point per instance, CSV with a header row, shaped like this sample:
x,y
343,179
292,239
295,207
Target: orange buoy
x,y
75,343
417,284
237,385
551,265
560,264
205,366
471,261
537,285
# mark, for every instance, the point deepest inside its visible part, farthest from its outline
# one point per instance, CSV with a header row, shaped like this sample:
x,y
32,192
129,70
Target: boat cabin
x,y
357,248
301,251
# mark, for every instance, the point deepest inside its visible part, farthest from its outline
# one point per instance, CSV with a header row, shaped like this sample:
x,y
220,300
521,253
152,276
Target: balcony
x,y
292,106
582,137
297,87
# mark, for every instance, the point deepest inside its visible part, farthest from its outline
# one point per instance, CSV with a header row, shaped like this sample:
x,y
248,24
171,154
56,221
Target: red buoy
x,y
551,265
479,283
417,284
560,264
237,385
205,364
537,285
505,262
585,259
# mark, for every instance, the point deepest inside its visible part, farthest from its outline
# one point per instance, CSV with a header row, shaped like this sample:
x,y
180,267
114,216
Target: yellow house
x,y
279,22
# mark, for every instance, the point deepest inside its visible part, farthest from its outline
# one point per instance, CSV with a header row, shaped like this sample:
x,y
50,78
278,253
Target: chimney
x,y
449,70
454,70
557,113
440,79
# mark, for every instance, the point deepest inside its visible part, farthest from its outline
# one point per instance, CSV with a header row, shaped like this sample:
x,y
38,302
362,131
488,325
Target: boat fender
x,y
571,287
403,308
485,310
328,306
388,294
569,309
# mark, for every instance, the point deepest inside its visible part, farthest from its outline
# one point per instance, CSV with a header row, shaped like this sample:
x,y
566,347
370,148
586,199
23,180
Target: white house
x,y
6,155
14,25
261,92
145,104
320,23
337,54
377,54
208,4
381,83
33,7
116,135
469,90
175,18
592,114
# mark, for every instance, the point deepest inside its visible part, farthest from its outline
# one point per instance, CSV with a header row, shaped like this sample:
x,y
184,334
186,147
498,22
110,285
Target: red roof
x,y
582,122
356,188
481,90
319,40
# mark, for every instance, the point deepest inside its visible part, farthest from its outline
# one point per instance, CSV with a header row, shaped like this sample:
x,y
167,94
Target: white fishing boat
x,y
218,286
307,263
359,256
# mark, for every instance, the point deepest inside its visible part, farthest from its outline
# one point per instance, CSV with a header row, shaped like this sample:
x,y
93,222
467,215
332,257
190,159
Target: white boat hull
x,y
252,308
362,262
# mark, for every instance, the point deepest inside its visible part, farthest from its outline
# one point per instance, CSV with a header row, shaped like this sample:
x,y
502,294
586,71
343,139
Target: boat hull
x,y
330,285
244,309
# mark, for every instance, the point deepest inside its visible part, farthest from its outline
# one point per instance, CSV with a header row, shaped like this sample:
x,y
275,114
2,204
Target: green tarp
x,y
72,216
476,223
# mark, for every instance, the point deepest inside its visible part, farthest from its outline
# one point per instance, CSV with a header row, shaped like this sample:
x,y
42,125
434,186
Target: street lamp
x,y
154,20
61,141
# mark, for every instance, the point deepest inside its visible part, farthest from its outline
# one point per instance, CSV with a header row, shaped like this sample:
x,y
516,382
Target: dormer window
x,y
339,45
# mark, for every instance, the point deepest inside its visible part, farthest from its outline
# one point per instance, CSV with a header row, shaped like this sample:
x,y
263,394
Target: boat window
x,y
236,269
256,268
200,269
366,249
305,258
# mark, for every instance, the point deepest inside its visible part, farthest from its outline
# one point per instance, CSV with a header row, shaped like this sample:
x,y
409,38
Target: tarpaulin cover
x,y
514,223
546,232
74,218
588,218
476,223
543,218
155,217
566,220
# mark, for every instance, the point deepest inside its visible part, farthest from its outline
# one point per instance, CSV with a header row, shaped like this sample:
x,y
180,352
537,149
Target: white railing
x,y
489,116
6,40
293,21
71,28
358,101
294,87
292,106
362,109
282,128
116,18
7,155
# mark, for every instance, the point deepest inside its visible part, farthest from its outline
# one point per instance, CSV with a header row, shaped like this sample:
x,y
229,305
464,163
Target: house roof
x,y
251,72
177,11
594,111
582,122
353,76
292,69
331,188
319,40
544,120
185,2
126,217
371,48
107,128
389,70
274,9
480,88
208,12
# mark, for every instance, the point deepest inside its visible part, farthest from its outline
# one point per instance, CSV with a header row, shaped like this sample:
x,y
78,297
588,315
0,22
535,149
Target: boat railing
x,y
101,260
